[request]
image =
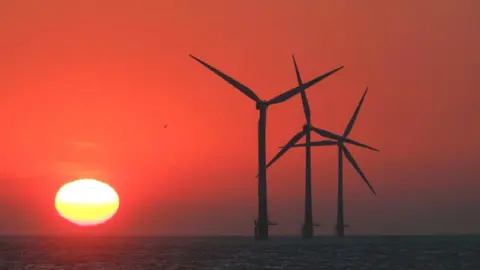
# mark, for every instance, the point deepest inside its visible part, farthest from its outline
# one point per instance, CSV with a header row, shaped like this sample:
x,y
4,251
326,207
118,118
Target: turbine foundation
x,y
307,231
340,230
260,232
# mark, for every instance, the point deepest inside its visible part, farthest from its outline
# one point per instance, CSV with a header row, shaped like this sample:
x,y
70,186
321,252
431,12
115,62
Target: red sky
x,y
87,87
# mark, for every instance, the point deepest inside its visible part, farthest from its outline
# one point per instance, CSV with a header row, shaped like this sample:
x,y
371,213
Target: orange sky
x,y
87,87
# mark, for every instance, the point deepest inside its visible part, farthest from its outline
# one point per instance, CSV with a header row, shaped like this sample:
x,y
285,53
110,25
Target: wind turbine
x,y
262,223
307,227
342,149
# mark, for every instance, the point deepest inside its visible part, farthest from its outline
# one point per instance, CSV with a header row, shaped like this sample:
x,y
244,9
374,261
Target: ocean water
x,y
143,253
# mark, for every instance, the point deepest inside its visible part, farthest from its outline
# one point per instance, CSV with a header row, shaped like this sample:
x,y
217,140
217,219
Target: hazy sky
x,y
86,88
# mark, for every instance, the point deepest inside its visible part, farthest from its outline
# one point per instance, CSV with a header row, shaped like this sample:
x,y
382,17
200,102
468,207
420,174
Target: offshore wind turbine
x,y
262,222
342,150
307,227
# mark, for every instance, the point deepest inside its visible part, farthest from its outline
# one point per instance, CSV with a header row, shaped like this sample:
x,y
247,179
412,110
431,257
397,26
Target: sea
x,y
144,253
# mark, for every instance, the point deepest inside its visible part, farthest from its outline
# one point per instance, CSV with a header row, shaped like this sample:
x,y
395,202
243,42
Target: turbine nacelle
x,y
259,105
306,128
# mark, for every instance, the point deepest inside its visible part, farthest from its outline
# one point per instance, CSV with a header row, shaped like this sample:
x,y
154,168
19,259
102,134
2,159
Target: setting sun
x,y
86,202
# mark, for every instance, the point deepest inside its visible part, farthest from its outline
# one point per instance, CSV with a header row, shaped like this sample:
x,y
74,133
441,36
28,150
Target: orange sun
x,y
86,202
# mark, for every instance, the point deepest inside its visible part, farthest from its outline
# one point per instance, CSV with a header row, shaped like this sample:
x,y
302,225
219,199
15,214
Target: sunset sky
x,y
86,88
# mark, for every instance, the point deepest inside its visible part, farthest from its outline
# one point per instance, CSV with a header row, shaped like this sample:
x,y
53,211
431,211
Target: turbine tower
x,y
262,222
307,227
342,149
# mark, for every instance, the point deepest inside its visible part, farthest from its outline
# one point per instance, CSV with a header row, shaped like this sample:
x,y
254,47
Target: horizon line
x,y
83,234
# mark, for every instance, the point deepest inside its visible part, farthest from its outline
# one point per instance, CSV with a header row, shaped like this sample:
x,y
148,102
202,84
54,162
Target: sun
x,y
87,202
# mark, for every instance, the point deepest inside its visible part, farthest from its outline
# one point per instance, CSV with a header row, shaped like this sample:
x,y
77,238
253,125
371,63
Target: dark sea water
x,y
399,252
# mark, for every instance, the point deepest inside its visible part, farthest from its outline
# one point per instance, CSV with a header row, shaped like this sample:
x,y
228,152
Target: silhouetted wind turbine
x,y
342,149
307,227
262,223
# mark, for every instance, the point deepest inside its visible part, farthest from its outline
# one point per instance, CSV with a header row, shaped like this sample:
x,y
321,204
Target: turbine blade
x,y
290,93
333,136
349,127
299,78
306,106
350,141
350,158
292,142
323,143
244,89
327,134
317,143
295,145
